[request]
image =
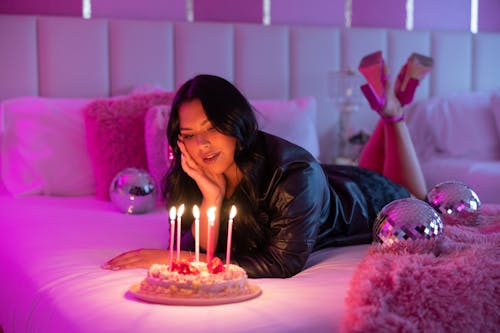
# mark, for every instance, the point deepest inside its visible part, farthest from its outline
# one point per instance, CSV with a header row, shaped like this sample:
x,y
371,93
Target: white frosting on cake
x,y
163,281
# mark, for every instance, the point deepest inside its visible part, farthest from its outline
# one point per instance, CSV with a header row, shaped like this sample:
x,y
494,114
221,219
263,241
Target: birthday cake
x,y
189,279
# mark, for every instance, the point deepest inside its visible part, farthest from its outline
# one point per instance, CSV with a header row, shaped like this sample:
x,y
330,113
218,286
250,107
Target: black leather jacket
x,y
294,200
301,206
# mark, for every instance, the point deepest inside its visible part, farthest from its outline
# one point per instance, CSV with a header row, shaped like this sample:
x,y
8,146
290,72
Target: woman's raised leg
x,y
390,150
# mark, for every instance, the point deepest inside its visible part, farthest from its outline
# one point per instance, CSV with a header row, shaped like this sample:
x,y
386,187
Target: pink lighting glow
x,y
452,15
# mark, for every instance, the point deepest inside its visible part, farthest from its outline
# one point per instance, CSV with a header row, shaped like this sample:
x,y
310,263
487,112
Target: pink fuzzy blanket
x,y
408,289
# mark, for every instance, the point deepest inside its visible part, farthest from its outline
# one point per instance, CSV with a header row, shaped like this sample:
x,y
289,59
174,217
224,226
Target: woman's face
x,y
210,149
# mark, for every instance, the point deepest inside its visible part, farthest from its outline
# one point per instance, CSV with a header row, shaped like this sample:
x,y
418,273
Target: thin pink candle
x,y
172,229
196,214
179,217
210,231
232,214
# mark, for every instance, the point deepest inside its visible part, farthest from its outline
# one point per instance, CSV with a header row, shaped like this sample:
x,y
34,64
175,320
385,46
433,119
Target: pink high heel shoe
x,y
410,75
373,68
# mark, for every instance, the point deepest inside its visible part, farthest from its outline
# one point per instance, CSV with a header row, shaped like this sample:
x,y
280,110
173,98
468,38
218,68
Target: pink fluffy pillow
x,y
115,135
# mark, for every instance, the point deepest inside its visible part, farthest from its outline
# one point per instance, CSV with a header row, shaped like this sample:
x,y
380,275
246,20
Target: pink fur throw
x,y
454,289
115,135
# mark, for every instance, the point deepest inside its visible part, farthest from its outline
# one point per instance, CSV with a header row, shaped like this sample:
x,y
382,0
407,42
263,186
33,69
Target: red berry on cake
x,y
216,266
185,267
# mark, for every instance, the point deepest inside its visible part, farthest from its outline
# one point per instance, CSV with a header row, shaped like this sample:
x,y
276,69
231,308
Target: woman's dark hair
x,y
229,112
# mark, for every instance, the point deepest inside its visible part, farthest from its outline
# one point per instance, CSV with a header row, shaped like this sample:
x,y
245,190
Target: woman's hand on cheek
x,y
212,186
188,164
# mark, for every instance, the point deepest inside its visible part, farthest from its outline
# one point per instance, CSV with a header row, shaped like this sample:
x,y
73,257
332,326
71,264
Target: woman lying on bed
x,y
288,204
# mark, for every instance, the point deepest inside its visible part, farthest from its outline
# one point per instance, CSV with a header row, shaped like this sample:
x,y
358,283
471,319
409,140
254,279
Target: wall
x,y
452,15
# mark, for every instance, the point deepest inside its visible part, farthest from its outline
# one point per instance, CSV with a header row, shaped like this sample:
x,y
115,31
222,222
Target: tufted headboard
x,y
73,57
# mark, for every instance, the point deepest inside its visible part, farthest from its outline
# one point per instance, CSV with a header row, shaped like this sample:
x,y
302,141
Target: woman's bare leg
x,y
401,164
372,156
390,150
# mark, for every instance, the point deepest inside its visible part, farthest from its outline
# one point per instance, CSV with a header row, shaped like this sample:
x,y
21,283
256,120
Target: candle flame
x,y
211,214
172,213
196,212
232,214
180,211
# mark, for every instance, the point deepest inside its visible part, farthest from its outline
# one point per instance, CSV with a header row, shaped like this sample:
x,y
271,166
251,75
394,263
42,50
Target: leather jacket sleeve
x,y
296,201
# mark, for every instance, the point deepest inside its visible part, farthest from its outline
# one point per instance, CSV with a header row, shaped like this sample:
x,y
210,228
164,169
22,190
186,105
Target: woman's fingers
x,y
181,145
141,258
190,167
122,260
209,184
188,164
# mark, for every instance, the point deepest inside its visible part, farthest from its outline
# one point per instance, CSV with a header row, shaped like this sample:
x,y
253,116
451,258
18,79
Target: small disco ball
x,y
133,191
407,219
455,202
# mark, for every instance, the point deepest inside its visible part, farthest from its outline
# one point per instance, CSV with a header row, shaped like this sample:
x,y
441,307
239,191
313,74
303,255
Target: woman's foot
x,y
392,110
378,90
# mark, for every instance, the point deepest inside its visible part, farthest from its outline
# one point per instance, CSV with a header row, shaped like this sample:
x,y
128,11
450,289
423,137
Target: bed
x,y
52,281
58,227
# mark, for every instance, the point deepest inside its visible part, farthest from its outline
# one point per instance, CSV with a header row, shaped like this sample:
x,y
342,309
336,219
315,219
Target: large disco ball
x,y
133,191
455,202
407,219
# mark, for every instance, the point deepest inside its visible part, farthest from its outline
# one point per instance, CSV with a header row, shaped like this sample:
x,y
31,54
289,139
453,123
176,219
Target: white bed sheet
x,y
51,250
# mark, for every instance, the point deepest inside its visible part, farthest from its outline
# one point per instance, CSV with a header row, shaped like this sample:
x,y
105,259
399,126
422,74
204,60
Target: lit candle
x,y
196,213
171,245
210,230
232,214
179,216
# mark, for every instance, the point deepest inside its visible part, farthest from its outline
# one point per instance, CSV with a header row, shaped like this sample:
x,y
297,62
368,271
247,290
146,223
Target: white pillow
x,y
418,117
293,120
460,126
464,126
43,147
495,104
155,133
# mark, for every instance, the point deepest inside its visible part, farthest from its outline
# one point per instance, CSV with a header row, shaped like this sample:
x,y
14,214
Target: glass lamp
x,y
344,90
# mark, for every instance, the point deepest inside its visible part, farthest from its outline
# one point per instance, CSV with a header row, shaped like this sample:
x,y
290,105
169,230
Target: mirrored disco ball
x,y
407,219
133,191
455,202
